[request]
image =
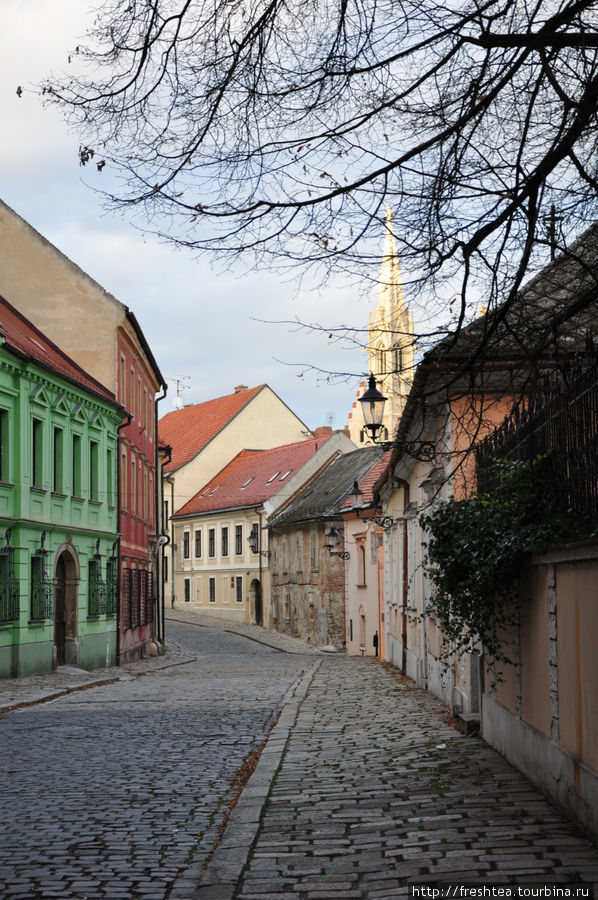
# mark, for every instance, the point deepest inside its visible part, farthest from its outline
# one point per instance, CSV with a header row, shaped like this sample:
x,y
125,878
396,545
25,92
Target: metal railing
x,y
561,423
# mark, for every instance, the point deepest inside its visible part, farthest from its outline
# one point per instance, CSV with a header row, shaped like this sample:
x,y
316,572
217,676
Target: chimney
x,y
322,431
240,387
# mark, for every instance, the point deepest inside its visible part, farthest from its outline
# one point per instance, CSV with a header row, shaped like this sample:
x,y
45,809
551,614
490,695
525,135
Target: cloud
x,y
200,322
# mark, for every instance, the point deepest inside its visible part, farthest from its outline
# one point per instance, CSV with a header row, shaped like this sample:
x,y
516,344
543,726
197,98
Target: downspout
x,y
128,420
400,482
158,520
164,539
259,515
170,481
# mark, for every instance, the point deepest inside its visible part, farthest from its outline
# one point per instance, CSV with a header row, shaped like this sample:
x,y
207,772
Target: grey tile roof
x,y
325,495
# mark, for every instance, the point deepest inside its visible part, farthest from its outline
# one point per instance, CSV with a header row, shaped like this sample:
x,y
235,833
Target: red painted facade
x,y
137,386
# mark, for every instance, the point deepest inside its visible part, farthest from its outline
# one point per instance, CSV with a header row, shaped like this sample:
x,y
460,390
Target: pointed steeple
x,y
390,345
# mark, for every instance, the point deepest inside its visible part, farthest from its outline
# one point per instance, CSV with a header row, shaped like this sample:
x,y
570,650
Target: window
x,y
4,446
212,543
286,474
299,551
212,590
96,599
271,479
238,540
284,556
58,461
313,548
224,541
124,500
137,597
275,607
239,588
361,563
123,381
111,585
93,470
186,545
198,544
77,465
9,586
109,484
287,607
37,451
132,396
42,589
187,585
145,416
165,570
133,486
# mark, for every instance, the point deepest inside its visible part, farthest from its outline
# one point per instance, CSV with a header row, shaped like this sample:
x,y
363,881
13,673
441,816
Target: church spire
x,y
390,344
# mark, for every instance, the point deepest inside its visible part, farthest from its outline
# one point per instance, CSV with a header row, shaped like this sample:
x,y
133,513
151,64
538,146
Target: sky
x,y
209,329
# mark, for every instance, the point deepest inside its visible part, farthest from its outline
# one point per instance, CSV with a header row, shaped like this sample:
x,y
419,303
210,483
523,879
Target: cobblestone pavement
x,y
376,791
118,788
122,788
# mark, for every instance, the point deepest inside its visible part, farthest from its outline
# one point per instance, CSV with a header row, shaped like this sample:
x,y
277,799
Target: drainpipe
x,y
400,482
163,541
128,420
158,519
259,515
170,481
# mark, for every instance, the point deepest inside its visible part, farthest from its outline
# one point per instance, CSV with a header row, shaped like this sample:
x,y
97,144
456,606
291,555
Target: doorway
x,y
256,594
66,575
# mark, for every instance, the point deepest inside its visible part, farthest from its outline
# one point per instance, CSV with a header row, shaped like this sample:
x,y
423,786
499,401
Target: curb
x,y
219,880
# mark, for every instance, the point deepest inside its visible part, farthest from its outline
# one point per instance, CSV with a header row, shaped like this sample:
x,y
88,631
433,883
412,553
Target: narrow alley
x,y
341,803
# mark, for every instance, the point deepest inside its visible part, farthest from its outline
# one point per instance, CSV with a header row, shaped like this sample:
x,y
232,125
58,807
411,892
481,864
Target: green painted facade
x,y
58,521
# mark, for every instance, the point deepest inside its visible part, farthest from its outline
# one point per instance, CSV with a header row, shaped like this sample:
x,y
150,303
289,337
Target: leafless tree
x,y
284,127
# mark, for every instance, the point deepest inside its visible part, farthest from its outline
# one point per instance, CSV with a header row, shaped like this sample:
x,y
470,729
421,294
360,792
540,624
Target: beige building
x,y
222,552
204,438
390,345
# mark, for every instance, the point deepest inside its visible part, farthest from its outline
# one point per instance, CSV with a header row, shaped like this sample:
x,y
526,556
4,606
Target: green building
x,y
58,507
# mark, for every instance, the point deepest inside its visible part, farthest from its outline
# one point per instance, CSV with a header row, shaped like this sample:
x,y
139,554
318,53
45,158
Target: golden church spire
x,y
390,344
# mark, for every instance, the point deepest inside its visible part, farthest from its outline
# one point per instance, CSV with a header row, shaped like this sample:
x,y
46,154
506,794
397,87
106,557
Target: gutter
x,y
160,617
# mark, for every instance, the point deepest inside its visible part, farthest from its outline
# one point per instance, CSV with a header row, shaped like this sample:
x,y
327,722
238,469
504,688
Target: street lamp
x,y
254,543
334,536
372,404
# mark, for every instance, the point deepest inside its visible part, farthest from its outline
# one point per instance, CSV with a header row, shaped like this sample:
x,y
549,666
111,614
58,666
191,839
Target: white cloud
x,y
199,322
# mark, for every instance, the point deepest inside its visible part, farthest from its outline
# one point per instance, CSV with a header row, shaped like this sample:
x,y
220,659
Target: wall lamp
x,y
254,543
334,536
372,405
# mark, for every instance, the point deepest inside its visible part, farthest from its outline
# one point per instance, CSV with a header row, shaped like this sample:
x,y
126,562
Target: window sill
x,y
38,489
360,587
60,495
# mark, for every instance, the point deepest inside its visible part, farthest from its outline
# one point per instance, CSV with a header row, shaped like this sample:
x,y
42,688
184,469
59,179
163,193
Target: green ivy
x,y
476,547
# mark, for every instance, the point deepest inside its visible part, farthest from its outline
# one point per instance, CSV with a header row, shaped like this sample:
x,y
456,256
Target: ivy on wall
x,y
476,548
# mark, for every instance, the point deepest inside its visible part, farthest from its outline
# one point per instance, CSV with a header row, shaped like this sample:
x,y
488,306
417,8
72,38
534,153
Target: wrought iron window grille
x,y
9,585
112,581
97,587
42,585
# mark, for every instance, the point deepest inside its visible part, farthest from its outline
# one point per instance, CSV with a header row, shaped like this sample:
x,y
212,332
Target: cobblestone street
x,y
363,787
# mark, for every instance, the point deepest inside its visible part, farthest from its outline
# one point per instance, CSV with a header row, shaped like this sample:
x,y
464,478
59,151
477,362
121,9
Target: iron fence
x,y
559,422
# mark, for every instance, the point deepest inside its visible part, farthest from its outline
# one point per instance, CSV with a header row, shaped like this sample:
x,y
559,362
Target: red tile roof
x,y
189,429
23,338
251,477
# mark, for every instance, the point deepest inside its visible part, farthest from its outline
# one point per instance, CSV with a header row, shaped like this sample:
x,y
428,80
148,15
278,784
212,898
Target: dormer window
x,y
286,474
249,480
270,480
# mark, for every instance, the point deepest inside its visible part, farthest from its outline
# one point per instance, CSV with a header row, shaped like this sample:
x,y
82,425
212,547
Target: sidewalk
x,y
365,787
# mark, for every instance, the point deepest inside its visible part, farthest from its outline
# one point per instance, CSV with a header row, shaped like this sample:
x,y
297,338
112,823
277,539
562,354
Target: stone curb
x,y
220,878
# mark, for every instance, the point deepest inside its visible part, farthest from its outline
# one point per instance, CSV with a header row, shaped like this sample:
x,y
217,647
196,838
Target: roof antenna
x,y
180,387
